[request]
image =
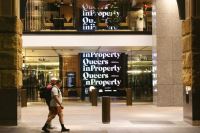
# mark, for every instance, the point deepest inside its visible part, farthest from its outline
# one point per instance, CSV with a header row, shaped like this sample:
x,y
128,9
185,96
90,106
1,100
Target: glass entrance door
x,y
140,77
37,73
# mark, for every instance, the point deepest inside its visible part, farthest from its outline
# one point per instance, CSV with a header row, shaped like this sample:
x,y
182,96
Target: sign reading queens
x,y
106,71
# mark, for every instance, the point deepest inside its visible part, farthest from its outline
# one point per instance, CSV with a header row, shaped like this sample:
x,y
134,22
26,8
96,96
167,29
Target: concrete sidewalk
x,y
81,117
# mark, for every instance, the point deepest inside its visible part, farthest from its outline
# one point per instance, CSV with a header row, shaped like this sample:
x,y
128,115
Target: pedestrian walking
x,y
56,108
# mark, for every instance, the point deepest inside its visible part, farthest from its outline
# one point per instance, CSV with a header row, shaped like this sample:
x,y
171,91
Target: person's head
x,y
58,83
53,81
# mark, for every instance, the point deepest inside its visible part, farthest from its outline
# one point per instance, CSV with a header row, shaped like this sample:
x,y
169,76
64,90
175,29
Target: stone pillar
x,y
167,54
10,62
9,8
191,62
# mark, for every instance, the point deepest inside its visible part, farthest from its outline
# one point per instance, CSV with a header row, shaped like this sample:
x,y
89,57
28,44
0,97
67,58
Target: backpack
x,y
45,93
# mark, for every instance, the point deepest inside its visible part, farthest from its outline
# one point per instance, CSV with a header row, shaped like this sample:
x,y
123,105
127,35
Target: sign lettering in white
x,y
89,14
101,69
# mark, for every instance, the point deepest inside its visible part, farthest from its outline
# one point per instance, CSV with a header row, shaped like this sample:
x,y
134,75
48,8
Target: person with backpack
x,y
56,107
48,98
45,93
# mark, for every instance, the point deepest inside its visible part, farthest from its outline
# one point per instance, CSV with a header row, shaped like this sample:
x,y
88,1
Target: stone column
x,y
191,61
9,8
167,54
10,62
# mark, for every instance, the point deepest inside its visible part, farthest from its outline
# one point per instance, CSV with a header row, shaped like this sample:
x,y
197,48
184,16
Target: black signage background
x,y
87,22
109,75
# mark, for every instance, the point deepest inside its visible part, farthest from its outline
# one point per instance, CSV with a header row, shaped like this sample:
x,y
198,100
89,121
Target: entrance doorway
x,y
42,64
37,71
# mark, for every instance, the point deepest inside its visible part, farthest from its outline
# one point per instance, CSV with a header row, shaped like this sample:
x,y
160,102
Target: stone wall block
x,y
10,60
187,60
186,27
187,77
10,79
11,25
10,42
186,41
19,61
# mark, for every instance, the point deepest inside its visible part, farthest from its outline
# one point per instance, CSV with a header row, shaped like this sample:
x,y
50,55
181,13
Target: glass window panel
x,y
87,15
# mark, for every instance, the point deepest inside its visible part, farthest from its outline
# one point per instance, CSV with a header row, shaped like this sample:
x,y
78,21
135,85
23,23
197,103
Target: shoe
x,y
45,130
65,130
50,127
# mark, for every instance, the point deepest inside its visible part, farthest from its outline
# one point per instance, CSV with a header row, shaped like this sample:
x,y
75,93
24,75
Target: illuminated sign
x,y
88,18
89,14
106,71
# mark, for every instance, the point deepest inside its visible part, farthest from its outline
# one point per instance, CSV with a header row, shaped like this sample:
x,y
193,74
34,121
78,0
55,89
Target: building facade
x,y
166,50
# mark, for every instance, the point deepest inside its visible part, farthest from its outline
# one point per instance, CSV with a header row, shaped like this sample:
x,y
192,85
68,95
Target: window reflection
x,y
86,15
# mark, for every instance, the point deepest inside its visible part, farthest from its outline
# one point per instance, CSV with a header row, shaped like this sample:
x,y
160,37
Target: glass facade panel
x,y
140,77
37,73
86,15
111,75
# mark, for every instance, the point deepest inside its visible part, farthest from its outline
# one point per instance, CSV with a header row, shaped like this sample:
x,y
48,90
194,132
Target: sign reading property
x,y
102,70
89,15
88,18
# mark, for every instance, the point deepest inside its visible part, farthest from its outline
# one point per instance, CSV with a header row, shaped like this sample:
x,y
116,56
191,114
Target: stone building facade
x,y
170,91
10,62
191,61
